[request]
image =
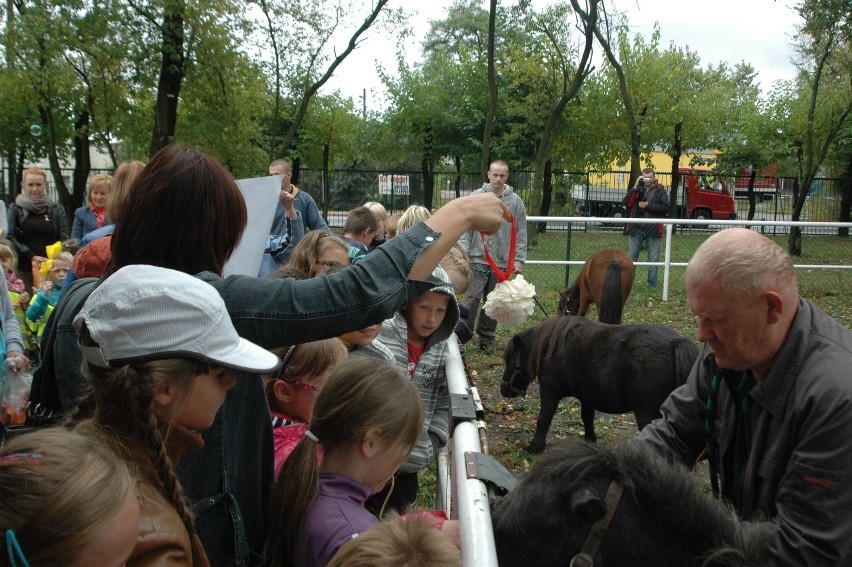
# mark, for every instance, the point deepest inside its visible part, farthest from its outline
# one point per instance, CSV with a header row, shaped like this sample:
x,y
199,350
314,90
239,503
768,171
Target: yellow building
x,y
619,174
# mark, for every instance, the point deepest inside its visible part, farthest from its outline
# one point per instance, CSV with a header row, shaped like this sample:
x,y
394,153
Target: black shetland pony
x,y
605,280
610,368
645,512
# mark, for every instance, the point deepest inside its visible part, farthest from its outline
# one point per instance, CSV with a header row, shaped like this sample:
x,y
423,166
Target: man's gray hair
x,y
743,262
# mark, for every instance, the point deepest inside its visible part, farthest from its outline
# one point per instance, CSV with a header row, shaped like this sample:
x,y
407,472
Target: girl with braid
x,y
161,354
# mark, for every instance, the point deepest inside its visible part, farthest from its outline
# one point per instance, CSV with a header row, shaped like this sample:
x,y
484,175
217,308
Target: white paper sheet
x,y
261,195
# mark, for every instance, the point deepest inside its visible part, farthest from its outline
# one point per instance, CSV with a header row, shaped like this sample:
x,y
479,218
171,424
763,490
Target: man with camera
x,y
647,199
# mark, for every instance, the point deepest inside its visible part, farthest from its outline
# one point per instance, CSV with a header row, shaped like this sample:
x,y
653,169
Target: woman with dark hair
x,y
185,212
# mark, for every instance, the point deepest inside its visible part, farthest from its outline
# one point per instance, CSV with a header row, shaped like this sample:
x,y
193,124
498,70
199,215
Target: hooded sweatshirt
x,y
429,374
498,243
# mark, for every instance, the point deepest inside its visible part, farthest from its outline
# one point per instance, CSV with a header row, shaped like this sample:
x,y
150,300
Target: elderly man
x,y
769,399
303,202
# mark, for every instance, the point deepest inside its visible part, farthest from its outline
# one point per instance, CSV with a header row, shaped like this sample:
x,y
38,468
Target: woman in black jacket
x,y
35,222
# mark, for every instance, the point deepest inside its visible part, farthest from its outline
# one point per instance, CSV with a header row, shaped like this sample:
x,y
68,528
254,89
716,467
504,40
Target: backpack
x,y
45,406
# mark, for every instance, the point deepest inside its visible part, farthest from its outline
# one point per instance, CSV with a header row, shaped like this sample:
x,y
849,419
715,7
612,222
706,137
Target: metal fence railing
x,y
461,494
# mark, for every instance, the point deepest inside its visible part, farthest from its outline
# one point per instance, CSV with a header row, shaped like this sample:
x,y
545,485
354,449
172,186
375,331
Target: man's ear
x,y
775,306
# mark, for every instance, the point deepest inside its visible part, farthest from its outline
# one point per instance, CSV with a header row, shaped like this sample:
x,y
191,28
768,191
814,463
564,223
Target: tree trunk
x,y
485,162
325,181
547,195
794,239
457,183
53,156
750,193
172,70
677,151
82,163
428,171
845,199
427,168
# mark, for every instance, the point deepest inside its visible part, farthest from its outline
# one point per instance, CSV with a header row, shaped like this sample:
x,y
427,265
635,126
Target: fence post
x,y
568,256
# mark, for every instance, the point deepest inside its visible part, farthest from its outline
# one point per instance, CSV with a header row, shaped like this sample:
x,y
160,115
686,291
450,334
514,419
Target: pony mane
x,y
548,337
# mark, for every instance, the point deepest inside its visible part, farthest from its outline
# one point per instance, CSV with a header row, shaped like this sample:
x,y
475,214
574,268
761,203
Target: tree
x,y
825,83
303,33
554,33
492,90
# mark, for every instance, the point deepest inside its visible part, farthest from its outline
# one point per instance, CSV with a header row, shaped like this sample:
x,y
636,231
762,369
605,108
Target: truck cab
x,y
704,195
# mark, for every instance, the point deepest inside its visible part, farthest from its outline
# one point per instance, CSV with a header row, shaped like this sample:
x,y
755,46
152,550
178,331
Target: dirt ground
x,y
510,422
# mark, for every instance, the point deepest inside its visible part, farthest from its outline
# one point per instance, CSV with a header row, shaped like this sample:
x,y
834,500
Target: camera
x,y
646,181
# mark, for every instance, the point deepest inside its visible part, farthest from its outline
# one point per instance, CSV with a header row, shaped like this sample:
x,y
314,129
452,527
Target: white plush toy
x,y
511,302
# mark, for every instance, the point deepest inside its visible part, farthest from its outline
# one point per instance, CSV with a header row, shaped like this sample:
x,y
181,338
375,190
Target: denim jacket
x,y
229,481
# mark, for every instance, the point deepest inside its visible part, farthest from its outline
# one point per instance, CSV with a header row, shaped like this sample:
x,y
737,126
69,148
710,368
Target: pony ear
x,y
517,341
587,505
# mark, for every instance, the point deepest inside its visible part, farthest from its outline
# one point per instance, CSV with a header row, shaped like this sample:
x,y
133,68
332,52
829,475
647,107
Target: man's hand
x,y
519,268
286,199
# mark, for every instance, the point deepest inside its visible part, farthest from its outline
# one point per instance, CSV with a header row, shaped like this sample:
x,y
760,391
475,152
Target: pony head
x,y
516,374
663,516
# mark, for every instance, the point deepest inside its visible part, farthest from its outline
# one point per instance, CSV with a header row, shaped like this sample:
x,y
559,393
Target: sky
x,y
756,31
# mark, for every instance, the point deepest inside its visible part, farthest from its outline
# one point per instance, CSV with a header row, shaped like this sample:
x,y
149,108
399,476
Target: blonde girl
x,y
65,500
316,253
160,352
291,390
411,216
367,418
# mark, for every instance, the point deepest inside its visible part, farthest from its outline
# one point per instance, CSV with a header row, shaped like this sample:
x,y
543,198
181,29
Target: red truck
x,y
765,184
706,196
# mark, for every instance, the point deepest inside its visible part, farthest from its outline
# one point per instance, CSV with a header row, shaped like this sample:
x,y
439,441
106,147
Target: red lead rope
x,y
501,275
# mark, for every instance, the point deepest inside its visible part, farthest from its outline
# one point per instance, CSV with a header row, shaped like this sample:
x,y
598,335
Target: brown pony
x,y
605,280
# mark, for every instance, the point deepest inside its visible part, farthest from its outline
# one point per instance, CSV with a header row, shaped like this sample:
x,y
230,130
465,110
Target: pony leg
x,y
585,299
549,403
587,412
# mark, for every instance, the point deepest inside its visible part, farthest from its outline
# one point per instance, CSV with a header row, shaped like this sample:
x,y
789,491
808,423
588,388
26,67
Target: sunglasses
x,y
303,385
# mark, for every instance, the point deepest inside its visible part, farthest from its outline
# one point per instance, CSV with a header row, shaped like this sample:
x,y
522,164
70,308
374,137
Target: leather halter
x,y
510,383
598,530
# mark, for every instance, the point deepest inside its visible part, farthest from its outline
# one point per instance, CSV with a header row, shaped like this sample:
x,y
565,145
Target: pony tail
x,y
296,488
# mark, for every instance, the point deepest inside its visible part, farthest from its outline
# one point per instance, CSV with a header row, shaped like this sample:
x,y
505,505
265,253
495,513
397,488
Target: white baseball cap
x,y
143,313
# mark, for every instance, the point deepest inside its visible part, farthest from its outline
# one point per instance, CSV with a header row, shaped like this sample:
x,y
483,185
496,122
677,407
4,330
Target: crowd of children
x,y
354,418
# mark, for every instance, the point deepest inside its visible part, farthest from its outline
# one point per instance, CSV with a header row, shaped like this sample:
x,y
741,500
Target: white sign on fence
x,y
393,184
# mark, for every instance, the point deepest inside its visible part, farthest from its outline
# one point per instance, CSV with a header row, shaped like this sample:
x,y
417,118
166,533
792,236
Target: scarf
x,y
35,205
13,282
100,215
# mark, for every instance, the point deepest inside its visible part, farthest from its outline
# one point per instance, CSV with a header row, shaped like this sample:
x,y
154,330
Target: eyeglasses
x,y
303,385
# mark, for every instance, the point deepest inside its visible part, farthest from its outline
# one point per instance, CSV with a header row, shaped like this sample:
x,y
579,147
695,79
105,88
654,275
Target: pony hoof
x,y
534,449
